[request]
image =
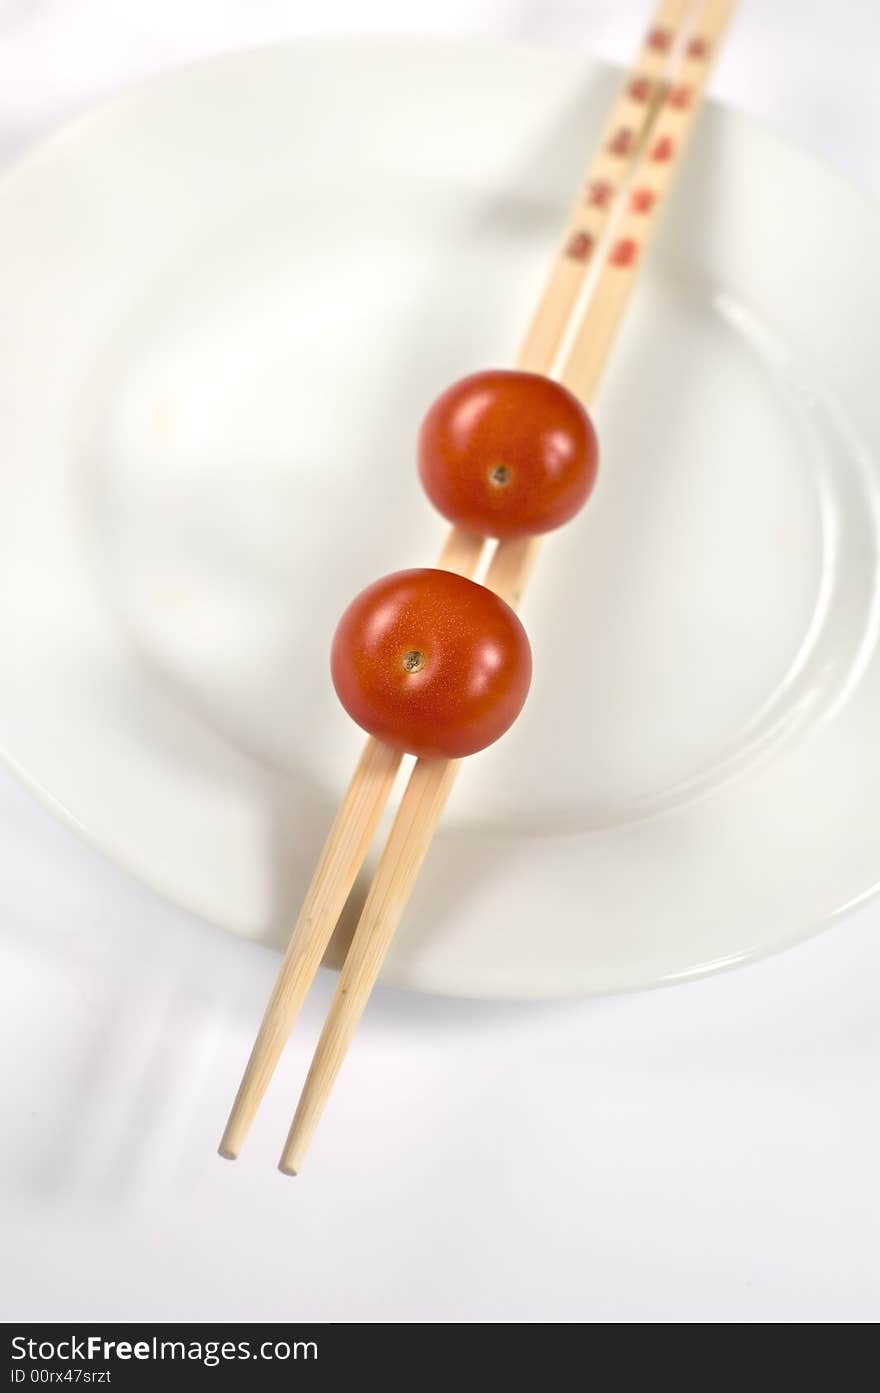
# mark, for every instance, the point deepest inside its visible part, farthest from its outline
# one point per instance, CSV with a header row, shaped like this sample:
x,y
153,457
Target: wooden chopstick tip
x,y
232,1140
290,1162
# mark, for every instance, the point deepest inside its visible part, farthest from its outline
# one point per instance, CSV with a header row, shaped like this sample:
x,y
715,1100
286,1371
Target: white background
x,y
703,1153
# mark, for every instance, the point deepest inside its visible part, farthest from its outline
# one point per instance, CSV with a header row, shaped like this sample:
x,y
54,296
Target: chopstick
x,y
650,181
354,827
626,128
431,780
348,841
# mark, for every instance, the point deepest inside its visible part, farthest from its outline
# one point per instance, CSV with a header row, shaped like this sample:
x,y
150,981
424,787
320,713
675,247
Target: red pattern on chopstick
x,y
660,40
600,193
621,142
624,252
642,200
579,246
640,89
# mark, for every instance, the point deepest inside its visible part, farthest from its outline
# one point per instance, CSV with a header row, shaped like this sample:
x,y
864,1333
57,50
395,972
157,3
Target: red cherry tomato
x,y
431,663
507,454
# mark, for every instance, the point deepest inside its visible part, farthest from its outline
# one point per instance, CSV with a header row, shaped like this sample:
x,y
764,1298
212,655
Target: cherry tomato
x,y
507,454
431,663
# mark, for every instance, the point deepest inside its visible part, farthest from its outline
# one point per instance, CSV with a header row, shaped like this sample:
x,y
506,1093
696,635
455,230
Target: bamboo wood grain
x,y
346,846
364,801
431,780
423,802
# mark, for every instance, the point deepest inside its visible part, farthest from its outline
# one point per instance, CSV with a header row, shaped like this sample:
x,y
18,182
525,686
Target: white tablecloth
x,y
704,1153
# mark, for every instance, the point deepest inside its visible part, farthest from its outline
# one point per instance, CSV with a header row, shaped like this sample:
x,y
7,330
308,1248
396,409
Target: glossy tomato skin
x,y
431,663
507,454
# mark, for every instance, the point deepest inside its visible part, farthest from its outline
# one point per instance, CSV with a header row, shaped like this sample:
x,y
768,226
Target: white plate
x,y
228,297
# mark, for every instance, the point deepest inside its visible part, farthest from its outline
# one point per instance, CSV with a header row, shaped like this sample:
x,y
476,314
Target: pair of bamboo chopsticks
x,y
611,224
